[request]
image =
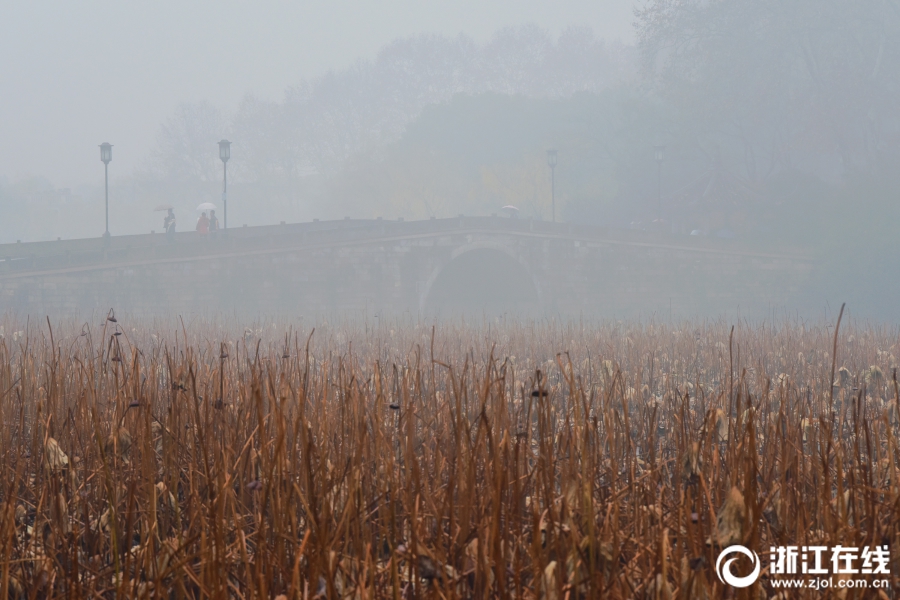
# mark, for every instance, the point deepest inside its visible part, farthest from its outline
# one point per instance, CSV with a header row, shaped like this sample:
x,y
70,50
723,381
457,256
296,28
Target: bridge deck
x,y
66,256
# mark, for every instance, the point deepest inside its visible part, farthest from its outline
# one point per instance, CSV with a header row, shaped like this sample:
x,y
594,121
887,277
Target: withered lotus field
x,y
408,460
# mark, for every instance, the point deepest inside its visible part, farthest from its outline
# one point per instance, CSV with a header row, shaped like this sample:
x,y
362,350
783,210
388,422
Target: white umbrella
x,y
511,209
207,206
164,207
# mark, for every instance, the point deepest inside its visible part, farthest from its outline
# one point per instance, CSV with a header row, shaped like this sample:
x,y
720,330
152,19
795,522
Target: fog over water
x,y
752,129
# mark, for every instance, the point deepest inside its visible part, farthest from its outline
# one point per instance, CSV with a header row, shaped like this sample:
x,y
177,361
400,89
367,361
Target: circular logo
x,y
724,570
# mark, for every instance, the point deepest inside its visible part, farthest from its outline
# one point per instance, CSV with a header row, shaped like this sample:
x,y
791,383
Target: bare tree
x,y
787,81
186,144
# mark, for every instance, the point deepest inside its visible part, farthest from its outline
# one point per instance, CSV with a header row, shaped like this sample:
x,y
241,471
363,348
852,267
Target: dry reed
x,y
508,460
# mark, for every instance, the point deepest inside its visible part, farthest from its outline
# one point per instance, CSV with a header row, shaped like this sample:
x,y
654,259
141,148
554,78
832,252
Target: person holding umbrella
x,y
203,221
203,224
168,220
169,224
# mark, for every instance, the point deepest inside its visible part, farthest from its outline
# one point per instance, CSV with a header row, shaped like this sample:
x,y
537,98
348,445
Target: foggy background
x,y
779,120
75,75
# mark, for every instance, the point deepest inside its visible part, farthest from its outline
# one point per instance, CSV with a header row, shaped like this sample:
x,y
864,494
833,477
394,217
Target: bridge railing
x,y
64,254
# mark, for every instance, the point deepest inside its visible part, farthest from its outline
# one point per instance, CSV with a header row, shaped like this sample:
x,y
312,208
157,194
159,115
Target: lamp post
x,y
106,156
225,154
551,160
658,153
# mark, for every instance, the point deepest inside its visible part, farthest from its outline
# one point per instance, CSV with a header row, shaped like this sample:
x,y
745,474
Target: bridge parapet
x,y
60,254
398,265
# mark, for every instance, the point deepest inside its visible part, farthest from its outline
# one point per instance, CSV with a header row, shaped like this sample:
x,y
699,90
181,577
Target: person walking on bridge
x,y
213,221
169,224
203,224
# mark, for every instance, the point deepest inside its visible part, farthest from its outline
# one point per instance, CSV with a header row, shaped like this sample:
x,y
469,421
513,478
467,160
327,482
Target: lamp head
x,y
551,158
659,152
224,150
106,152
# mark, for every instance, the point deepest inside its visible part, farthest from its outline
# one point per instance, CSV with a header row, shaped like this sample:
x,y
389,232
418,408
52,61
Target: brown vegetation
x,y
507,460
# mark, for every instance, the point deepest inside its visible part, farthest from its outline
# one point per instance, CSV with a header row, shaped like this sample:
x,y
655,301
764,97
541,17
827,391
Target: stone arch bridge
x,y
437,266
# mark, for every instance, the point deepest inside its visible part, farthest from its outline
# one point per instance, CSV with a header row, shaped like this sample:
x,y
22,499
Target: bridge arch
x,y
479,277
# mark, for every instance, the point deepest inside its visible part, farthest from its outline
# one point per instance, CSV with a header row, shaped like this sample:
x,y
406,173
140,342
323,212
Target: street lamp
x,y
551,160
225,154
658,153
106,156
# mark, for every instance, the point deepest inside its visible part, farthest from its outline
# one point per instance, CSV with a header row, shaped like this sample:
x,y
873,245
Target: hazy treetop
x,y
77,74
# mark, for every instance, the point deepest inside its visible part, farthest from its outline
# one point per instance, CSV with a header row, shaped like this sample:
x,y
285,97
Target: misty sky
x,y
75,74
